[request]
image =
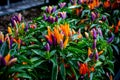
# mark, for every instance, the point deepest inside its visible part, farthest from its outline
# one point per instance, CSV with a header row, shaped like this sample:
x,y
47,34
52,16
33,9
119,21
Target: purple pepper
x,y
12,22
100,32
50,42
48,19
17,19
93,16
47,10
51,20
44,17
11,42
94,34
110,39
54,9
51,9
26,28
56,18
2,61
94,44
104,18
79,2
54,40
61,5
91,56
63,15
1,42
82,77
71,1
47,47
96,55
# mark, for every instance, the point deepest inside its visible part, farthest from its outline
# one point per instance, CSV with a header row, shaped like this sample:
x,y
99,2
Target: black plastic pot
x,y
14,1
5,2
53,2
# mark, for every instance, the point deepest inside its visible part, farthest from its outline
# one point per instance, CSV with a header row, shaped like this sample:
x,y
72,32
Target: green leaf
x,y
91,76
73,69
23,75
111,70
76,50
34,59
38,52
102,57
69,55
116,48
87,60
24,58
93,25
110,51
54,69
62,71
98,63
3,48
37,63
52,53
84,12
34,46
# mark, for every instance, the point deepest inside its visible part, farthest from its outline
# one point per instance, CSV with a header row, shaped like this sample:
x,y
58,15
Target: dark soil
x,y
27,15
